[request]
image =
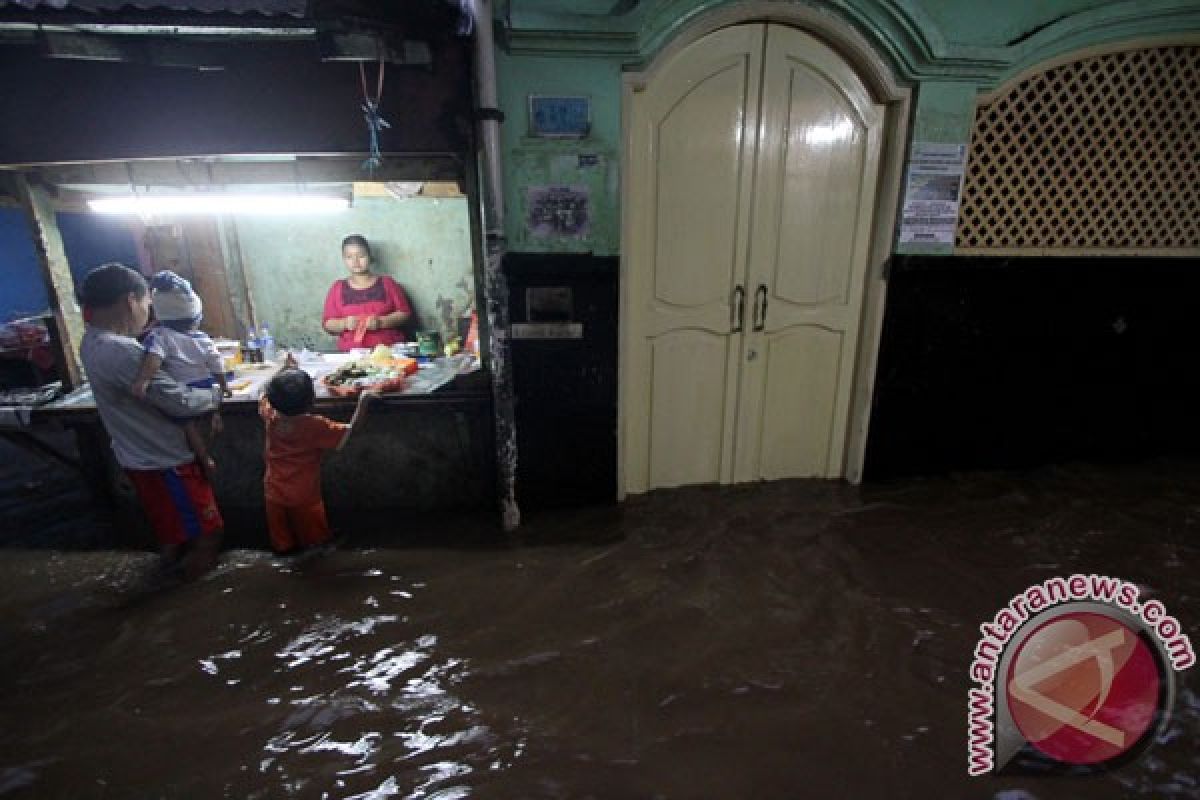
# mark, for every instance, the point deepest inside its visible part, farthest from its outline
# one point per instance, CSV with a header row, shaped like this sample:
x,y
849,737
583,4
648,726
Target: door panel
x,y
821,193
692,145
798,410
696,184
815,191
688,396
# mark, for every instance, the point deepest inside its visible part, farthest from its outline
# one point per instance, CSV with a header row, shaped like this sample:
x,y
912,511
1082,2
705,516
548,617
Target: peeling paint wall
x,y
591,162
289,263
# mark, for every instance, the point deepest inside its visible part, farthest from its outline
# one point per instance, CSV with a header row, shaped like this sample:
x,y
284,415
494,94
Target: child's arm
x,y
216,364
151,363
162,392
265,410
360,411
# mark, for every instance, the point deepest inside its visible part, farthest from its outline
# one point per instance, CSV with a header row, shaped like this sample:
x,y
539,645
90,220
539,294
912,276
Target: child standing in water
x,y
295,441
176,345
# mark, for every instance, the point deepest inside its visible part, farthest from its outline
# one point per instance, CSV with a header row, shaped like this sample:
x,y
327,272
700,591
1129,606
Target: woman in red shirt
x,y
364,309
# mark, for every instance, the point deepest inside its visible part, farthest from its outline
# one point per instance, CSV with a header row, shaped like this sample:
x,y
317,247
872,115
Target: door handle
x,y
737,311
760,307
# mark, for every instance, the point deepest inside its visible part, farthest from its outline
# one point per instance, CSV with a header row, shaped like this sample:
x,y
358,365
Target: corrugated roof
x,y
270,8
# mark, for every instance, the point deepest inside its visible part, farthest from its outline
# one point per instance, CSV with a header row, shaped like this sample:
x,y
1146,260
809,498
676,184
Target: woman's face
x,y
357,259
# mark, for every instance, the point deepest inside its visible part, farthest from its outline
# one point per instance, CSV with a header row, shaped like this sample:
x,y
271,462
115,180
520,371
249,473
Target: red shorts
x,y
296,526
179,502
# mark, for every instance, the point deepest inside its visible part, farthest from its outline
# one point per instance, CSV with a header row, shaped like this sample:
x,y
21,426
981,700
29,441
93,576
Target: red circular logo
x,y
1083,688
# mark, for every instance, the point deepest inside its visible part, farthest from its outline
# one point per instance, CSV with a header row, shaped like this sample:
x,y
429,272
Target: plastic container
x,y
429,345
266,343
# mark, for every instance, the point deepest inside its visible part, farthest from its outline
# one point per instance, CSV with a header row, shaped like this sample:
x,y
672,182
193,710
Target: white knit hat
x,y
173,298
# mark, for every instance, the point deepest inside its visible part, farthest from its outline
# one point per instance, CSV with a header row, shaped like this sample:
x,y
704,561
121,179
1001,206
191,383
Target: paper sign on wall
x,y
558,211
931,193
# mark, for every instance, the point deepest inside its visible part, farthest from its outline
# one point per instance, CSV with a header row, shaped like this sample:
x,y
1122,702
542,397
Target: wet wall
x,y
1010,362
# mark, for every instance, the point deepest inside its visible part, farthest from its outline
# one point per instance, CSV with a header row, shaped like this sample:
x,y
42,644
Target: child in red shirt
x,y
295,441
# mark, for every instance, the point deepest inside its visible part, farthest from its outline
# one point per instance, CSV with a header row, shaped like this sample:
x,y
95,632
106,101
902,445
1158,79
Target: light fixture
x,y
264,204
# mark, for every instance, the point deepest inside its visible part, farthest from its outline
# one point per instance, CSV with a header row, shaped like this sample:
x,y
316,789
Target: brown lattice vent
x,y
1101,154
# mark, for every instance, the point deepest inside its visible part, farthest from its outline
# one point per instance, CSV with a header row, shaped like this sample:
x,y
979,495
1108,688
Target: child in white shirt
x,y
175,345
149,446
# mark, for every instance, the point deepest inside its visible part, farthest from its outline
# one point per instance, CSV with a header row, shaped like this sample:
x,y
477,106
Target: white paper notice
x,y
931,194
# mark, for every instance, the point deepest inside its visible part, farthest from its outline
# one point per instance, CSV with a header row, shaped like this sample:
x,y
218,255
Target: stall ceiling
x,y
114,80
293,8
412,17
268,97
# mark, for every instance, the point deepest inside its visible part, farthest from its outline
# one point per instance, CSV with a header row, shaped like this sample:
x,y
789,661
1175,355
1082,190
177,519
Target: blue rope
x,y
375,123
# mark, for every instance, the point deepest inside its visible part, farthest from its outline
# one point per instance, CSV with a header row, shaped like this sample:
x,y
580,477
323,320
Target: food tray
x,y
390,385
406,365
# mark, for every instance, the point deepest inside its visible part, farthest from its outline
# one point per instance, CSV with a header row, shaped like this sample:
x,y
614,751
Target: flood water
x,y
797,639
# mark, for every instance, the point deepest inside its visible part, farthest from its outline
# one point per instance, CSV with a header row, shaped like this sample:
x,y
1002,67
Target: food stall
x,y
427,443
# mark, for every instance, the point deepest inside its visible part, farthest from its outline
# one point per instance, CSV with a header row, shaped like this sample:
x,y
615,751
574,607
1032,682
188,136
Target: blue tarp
x,y
89,240
22,290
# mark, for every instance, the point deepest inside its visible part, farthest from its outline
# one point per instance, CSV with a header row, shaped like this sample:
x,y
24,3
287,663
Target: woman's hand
x,y
348,323
373,324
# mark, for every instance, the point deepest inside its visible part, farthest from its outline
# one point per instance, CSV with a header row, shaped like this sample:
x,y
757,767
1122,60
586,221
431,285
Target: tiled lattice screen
x,y
1098,154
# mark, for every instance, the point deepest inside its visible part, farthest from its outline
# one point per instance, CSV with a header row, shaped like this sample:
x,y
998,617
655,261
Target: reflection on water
x,y
783,640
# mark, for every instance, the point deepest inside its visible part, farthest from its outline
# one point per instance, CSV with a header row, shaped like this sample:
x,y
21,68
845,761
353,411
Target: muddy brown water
x,y
787,640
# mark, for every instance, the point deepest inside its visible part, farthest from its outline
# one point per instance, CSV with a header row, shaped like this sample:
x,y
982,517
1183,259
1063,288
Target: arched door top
x,y
873,65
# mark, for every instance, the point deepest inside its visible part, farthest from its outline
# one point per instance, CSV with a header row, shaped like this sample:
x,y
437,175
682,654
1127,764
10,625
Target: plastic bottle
x,y
253,353
267,342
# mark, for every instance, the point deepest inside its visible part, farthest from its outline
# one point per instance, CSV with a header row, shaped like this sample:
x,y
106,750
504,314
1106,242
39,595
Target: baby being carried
x,y
176,345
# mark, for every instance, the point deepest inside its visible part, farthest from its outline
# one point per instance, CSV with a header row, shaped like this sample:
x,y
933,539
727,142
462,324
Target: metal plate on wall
x,y
547,330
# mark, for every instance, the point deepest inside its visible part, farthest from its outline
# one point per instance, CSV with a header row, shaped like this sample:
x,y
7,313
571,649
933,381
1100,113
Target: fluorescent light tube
x,y
166,205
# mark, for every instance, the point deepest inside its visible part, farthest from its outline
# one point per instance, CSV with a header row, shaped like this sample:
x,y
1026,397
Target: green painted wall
x,y
531,161
424,243
947,50
994,24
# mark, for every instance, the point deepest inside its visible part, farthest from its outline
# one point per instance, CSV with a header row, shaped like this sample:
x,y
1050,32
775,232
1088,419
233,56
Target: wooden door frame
x,y
880,81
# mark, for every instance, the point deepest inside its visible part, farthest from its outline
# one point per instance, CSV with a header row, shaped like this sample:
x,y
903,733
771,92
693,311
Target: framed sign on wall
x,y
560,117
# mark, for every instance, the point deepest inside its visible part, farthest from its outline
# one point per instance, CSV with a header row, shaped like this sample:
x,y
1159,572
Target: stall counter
x,y
249,380
428,448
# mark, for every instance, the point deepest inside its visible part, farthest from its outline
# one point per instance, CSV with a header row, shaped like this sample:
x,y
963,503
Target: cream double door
x,y
753,156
